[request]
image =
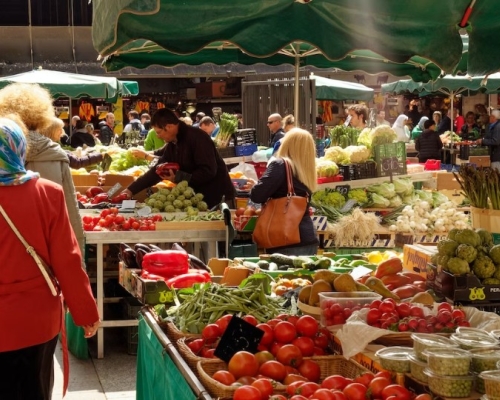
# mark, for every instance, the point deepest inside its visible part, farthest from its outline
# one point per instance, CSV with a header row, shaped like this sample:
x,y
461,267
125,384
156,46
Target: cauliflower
x,y
382,134
457,266
483,267
491,281
359,195
364,138
495,254
466,252
326,168
337,154
468,236
486,238
357,154
447,247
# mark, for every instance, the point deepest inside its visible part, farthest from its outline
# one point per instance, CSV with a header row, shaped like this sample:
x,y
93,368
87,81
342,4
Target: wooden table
x,y
194,235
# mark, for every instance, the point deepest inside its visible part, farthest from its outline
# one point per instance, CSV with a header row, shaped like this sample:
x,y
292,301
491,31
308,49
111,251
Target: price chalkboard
x,y
343,189
390,164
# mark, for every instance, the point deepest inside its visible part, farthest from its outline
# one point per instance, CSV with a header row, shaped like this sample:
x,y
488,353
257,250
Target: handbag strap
x,y
289,178
31,251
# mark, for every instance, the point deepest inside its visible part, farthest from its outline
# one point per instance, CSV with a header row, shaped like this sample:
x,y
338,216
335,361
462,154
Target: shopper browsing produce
x,y
492,139
429,144
32,315
297,147
194,151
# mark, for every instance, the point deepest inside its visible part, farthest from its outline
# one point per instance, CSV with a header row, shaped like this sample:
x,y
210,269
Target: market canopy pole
x,y
296,90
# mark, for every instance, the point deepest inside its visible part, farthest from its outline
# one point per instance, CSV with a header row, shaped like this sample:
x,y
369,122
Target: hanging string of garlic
x,y
358,227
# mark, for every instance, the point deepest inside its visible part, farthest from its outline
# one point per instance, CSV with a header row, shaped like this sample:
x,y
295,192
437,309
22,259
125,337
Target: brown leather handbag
x,y
278,223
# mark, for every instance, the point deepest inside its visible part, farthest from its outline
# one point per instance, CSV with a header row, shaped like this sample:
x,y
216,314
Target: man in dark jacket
x,y
274,125
106,127
429,144
195,152
492,139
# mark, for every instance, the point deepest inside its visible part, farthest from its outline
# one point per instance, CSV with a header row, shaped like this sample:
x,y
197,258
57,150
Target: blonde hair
x,y
54,130
299,149
30,101
288,122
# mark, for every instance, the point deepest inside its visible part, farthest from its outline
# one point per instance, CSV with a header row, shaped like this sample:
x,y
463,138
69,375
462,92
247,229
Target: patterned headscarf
x,y
13,155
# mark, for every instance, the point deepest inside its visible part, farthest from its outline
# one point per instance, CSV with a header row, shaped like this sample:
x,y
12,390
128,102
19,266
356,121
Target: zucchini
x,y
281,259
263,264
298,262
322,263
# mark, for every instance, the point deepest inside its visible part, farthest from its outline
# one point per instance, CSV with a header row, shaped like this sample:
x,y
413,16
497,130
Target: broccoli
x,y
483,267
466,252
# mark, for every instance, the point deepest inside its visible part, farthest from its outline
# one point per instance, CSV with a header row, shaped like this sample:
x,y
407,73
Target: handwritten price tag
x,y
343,189
390,164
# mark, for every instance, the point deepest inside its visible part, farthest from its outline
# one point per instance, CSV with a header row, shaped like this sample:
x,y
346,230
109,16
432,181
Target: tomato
x,y
119,219
323,394
223,322
135,225
338,395
113,210
224,377
387,306
211,333
416,311
397,391
307,389
305,344
247,393
268,337
273,369
263,356
377,385
298,397
292,319
289,355
277,397
384,374
264,386
318,351
364,378
275,347
285,332
311,370
273,322
250,319
126,226
243,363
423,396
445,307
355,391
375,304
373,316
458,314
291,379
87,219
307,326
105,212
403,310
196,345
335,382
292,387
321,340
245,380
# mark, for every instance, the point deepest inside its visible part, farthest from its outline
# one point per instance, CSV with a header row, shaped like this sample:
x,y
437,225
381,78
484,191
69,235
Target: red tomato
x,y
292,387
318,351
87,219
274,370
373,316
377,385
263,356
355,391
277,397
211,332
285,332
243,363
387,306
403,310
338,395
323,394
311,370
207,352
384,374
196,345
397,391
250,319
275,347
424,396
416,311
126,226
458,314
135,225
289,355
273,322
335,382
265,387
247,393
113,210
224,377
119,219
298,397
245,380
105,212
268,337
364,378
305,344
292,319
307,326
307,389
375,304
223,322
321,340
293,378
445,307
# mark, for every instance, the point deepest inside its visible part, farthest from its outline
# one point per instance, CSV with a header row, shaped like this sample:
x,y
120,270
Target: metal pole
x,y
296,93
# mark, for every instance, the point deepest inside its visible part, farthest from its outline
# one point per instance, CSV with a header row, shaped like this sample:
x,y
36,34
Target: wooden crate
x,y
446,180
480,161
190,225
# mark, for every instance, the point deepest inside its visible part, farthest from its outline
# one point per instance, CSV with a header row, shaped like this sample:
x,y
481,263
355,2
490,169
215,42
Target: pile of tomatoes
x,y
110,220
408,317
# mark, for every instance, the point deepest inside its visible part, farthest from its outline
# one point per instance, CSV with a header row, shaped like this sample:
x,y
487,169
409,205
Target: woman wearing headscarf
x,y
402,131
419,128
31,315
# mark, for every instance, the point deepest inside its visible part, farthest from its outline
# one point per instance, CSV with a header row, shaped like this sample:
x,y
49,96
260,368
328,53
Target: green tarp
x,y
331,89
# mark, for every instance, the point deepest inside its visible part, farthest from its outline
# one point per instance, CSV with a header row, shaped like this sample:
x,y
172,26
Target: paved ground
x,y
110,378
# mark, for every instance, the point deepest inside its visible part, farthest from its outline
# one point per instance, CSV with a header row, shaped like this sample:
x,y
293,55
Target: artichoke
x,y
457,266
495,254
452,234
483,267
468,236
486,238
447,247
491,281
466,252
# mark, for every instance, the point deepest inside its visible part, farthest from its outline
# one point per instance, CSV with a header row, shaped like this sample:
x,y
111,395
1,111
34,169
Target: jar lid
x,y
474,340
396,353
446,353
413,358
430,339
490,375
431,374
489,353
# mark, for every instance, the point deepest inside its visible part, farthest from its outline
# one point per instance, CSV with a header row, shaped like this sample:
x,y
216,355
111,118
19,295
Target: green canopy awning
x,y
63,84
332,89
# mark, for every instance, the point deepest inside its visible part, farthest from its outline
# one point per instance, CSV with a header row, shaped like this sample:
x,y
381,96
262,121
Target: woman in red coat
x,y
31,315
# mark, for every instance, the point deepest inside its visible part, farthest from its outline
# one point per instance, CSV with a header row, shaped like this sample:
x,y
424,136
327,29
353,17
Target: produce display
x,y
181,198
450,386
109,219
448,362
395,359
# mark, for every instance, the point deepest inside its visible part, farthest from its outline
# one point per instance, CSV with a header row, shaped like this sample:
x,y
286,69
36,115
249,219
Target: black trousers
x,y
28,374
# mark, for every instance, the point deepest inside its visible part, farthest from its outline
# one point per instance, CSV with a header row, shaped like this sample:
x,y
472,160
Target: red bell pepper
x,y
186,280
166,167
153,277
166,263
100,198
119,198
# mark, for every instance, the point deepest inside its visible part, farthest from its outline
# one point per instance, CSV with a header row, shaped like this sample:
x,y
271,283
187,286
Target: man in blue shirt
x,y
208,125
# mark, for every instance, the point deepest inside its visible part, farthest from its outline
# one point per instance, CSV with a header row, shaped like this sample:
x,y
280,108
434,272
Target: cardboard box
x,y
480,161
446,180
85,180
112,179
416,257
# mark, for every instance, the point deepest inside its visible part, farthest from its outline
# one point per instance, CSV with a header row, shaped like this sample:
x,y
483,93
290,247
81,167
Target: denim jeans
x,y
309,250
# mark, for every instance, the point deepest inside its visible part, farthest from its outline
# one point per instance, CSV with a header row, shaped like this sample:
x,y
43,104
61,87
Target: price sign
x,y
390,165
239,335
343,189
114,190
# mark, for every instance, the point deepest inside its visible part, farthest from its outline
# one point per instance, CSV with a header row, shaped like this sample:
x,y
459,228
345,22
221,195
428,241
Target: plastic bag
x,y
261,156
247,170
77,343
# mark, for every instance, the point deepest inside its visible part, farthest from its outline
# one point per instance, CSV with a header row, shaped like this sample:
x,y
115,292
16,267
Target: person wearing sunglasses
x,y
276,128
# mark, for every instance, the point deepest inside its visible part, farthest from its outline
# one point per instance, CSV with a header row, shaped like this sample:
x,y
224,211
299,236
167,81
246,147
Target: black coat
x,y
273,184
81,137
492,139
279,134
106,134
200,164
429,146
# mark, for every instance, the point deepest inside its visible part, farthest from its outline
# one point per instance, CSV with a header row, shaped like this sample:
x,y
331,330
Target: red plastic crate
x,y
336,178
432,165
260,168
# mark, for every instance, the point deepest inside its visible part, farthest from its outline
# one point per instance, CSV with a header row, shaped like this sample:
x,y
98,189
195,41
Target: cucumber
x,y
298,262
281,259
357,263
263,264
341,262
322,263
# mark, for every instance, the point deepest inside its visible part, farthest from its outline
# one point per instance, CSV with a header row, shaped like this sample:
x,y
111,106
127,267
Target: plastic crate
x,y
352,172
131,308
245,150
227,152
432,165
384,151
244,137
467,151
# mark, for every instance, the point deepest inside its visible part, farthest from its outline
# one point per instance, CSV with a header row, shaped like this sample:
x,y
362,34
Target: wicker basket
x,y
174,334
330,365
188,356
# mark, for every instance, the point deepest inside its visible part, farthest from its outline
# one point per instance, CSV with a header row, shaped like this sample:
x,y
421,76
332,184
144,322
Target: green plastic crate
x,y
385,151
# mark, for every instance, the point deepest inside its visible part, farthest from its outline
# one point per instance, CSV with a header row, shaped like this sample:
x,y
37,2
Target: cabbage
x,y
425,195
395,202
438,199
383,189
337,155
357,154
410,199
379,201
326,168
403,186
